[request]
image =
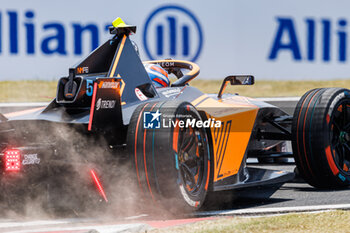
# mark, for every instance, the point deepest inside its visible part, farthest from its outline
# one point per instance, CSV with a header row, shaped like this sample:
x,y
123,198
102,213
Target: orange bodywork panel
x,y
230,141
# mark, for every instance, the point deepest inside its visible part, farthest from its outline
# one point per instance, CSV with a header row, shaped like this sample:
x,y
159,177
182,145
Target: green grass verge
x,y
333,221
34,91
27,91
269,88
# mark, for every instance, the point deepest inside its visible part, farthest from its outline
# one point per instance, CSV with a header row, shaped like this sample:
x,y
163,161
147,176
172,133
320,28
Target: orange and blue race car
x,y
178,143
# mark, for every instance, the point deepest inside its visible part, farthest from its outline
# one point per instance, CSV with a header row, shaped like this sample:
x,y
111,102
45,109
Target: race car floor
x,y
294,196
293,193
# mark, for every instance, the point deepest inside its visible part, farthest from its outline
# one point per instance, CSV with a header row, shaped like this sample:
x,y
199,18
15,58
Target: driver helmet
x,y
158,75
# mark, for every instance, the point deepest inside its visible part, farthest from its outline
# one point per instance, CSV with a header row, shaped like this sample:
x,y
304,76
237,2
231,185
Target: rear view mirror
x,y
236,80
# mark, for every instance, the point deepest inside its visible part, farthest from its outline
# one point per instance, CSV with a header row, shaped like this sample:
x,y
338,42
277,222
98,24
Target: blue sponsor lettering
x,y
58,40
30,32
342,40
186,40
13,19
286,26
172,36
310,39
54,40
286,39
78,31
0,32
326,39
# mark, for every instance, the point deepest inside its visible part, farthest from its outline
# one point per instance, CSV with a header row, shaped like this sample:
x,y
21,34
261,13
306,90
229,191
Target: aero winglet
x,y
119,28
118,22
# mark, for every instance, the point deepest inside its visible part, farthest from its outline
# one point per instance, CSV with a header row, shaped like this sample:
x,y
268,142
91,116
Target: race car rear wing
x,y
113,75
117,57
101,59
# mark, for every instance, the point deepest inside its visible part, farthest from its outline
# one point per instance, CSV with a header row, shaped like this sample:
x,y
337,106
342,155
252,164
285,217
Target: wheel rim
x,y
340,135
191,156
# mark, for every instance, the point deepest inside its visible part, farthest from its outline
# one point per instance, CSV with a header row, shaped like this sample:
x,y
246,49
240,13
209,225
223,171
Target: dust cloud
x,y
62,185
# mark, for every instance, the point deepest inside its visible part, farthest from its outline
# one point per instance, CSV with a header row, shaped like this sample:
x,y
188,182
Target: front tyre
x,y
172,162
321,137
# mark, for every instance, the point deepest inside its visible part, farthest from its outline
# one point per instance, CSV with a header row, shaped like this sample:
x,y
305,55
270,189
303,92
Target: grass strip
x,y
331,221
44,91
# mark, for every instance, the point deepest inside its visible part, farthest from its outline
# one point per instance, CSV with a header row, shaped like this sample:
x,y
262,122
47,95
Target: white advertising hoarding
x,y
271,39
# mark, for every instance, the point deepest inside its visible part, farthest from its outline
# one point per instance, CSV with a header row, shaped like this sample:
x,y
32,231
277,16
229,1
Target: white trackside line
x,y
40,104
136,217
15,223
274,210
279,99
34,104
32,223
137,227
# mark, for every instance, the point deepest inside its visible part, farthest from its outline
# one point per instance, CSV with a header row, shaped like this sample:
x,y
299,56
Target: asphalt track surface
x,y
293,196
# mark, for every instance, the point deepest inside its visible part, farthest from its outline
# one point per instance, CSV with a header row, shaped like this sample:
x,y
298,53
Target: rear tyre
x,y
172,165
321,137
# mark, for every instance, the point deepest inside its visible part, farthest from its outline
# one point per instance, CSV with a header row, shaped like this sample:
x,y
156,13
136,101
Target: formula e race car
x,y
108,123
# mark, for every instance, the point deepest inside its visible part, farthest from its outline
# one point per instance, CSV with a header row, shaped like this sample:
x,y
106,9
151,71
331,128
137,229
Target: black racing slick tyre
x,y
172,163
321,137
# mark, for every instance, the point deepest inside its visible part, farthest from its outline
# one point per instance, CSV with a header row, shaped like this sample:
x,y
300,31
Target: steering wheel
x,y
175,66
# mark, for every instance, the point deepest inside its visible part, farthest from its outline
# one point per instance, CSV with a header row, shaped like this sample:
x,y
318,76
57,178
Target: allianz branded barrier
x,y
267,38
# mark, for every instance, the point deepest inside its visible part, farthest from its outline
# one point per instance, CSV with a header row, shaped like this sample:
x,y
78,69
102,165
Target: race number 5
x,y
89,87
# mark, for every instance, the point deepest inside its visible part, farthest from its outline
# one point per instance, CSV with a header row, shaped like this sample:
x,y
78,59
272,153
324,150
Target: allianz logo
x,y
14,26
24,33
310,39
